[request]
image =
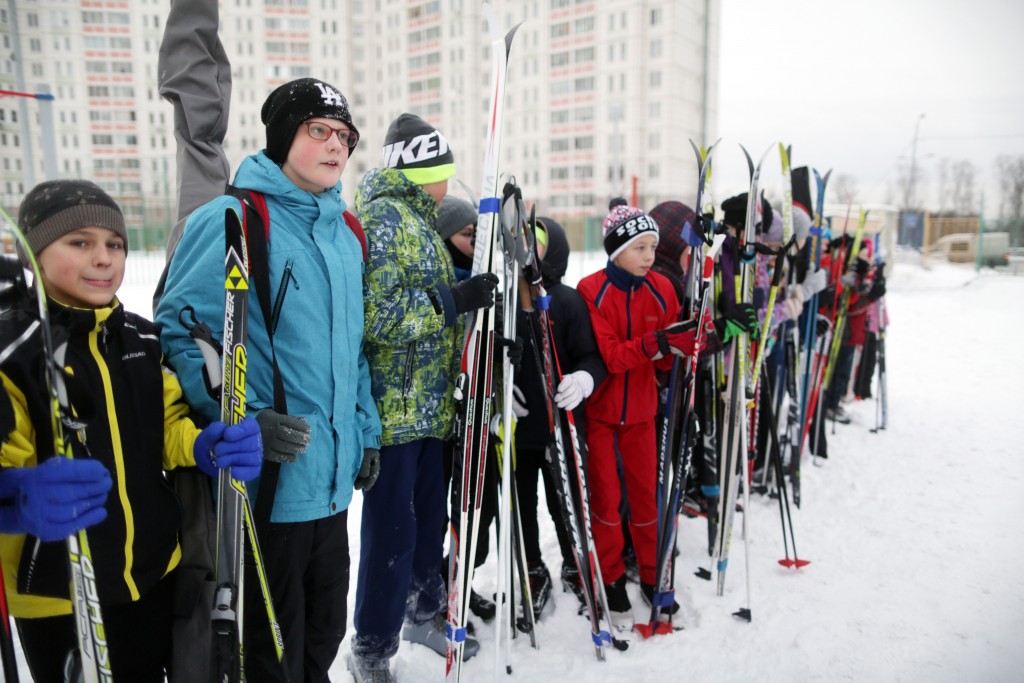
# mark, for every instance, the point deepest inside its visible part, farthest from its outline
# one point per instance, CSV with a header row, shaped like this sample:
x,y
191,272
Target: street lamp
x,y
909,200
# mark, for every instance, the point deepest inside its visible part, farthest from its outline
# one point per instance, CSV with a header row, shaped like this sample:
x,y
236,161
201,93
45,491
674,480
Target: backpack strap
x,y
357,229
255,214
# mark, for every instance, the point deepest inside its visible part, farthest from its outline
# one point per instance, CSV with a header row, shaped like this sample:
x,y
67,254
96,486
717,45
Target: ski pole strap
x,y
601,638
710,491
255,216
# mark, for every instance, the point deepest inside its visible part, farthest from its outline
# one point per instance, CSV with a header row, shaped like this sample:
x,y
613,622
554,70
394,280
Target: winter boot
x,y
619,608
632,568
647,591
432,634
540,588
839,415
571,583
365,671
482,607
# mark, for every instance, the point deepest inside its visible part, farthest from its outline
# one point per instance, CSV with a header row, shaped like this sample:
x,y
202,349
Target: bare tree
x,y
942,174
963,188
846,188
1011,186
909,178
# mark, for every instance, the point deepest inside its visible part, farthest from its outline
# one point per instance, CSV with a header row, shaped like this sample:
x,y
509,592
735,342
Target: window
x,y
655,79
559,173
655,16
583,143
559,59
560,145
559,117
560,30
656,48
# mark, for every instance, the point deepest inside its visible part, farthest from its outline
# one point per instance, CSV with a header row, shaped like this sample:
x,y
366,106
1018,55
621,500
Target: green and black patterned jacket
x,y
414,357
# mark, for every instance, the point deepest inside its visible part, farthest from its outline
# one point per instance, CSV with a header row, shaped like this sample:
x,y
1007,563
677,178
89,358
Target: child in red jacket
x,y
635,315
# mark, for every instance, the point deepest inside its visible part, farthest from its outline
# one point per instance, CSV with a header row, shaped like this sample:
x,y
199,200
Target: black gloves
x,y
476,292
369,470
285,437
736,320
514,346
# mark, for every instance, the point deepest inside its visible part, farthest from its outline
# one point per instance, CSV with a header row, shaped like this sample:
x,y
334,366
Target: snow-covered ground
x,y
914,533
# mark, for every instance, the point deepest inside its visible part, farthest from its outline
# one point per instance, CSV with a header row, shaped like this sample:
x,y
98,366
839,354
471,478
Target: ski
x,y
228,650
94,656
735,410
473,388
572,476
680,420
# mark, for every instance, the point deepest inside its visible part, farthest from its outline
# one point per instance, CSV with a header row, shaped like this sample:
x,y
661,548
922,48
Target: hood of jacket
x,y
381,183
258,172
556,258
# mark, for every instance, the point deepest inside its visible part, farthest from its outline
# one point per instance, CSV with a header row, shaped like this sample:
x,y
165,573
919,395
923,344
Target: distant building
x,y
598,92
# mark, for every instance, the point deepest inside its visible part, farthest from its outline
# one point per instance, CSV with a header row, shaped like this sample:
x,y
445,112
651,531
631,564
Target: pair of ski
x,y
92,663
680,428
474,387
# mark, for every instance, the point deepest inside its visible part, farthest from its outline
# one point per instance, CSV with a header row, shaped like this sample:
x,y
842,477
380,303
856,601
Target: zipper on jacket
x,y
407,376
282,289
629,335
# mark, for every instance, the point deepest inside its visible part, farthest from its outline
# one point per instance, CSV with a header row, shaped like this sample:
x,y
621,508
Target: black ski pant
x,y
866,371
307,566
138,635
529,463
488,504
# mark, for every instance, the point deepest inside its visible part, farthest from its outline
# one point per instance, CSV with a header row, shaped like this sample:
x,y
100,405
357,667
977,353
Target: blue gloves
x,y
54,499
238,447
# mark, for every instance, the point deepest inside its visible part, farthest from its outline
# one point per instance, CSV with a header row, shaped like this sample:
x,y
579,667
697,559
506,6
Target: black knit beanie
x,y
297,101
418,150
54,208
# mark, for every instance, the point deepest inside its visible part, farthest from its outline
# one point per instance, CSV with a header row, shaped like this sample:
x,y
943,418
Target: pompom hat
x,y
624,225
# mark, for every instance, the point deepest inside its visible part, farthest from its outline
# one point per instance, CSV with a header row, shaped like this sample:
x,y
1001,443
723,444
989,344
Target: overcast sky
x,y
845,82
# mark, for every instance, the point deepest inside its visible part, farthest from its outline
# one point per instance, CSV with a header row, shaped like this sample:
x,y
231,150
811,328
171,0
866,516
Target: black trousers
x,y
530,462
138,635
307,566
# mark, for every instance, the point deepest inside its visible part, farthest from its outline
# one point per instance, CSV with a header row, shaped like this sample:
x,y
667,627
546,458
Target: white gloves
x,y
519,403
814,283
573,388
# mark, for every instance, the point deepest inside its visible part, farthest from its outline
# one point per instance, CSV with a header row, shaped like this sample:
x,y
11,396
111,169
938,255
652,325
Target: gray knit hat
x,y
453,215
54,208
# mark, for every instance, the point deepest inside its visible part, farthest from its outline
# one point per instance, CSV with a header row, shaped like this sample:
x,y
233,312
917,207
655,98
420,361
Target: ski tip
x,y
743,613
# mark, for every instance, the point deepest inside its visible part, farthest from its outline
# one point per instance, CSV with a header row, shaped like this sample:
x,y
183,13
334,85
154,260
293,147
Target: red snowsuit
x,y
621,412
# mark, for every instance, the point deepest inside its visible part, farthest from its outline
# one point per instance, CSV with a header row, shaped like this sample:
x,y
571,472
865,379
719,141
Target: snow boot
x,y
540,588
364,671
432,634
839,415
482,607
571,583
619,607
647,591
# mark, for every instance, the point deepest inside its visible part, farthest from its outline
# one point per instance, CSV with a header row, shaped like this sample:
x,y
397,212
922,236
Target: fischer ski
x,y
474,386
228,650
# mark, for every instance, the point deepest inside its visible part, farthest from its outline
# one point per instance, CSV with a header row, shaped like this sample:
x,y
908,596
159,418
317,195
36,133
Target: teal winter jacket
x,y
316,268
414,355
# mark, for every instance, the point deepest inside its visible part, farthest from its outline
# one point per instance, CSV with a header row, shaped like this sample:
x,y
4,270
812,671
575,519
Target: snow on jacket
x,y
624,308
136,424
315,269
414,355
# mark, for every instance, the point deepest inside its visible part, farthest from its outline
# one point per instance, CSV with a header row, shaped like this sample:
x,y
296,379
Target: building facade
x,y
602,95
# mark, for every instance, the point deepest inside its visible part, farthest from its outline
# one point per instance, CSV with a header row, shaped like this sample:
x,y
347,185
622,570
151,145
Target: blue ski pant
x,y
401,545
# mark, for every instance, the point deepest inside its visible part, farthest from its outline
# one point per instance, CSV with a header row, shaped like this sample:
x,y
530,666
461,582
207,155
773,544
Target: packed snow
x,y
913,533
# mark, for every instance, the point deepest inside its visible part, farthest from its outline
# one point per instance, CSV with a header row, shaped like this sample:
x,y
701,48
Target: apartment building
x,y
602,95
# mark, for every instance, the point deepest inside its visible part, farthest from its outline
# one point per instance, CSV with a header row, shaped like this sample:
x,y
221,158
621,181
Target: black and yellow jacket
x,y
136,424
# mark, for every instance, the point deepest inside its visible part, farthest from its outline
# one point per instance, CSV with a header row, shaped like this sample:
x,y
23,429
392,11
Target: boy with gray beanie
x,y
133,428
